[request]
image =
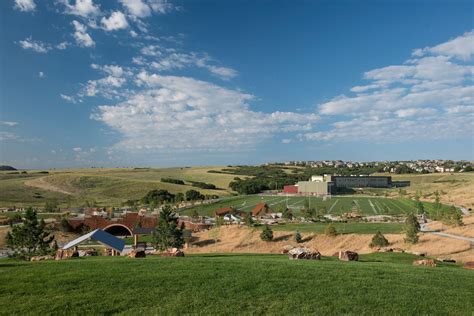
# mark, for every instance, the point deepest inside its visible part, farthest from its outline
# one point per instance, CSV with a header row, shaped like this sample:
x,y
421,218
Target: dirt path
x,y
41,183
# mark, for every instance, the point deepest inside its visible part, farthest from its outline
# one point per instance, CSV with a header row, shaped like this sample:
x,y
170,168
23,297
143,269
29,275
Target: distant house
x,y
228,211
261,210
224,211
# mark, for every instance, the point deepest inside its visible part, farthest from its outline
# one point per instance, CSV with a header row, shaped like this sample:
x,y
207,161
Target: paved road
x,y
424,229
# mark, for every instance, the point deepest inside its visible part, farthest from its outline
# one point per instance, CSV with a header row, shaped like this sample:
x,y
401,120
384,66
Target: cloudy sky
x,y
167,83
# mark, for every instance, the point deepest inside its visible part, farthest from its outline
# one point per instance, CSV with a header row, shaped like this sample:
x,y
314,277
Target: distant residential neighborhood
x,y
397,167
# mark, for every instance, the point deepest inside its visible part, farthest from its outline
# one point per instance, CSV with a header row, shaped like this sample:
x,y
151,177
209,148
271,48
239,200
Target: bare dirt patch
x,y
42,183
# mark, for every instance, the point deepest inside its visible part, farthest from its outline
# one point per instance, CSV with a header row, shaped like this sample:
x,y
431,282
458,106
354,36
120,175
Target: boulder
x,y
286,249
425,262
469,265
173,252
137,254
304,253
87,253
41,258
348,256
62,254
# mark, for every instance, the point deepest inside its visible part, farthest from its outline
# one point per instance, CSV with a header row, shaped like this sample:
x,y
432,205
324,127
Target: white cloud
x,y
68,98
116,21
25,5
62,45
8,123
461,47
7,136
415,112
180,113
81,36
36,46
170,59
137,8
107,86
160,6
430,96
83,8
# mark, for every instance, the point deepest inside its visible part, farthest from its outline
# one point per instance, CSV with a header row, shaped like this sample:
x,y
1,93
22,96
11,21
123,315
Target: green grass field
x,y
336,205
230,284
342,228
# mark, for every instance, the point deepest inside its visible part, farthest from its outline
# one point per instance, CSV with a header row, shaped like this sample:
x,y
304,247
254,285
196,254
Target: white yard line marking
x,y
373,207
332,206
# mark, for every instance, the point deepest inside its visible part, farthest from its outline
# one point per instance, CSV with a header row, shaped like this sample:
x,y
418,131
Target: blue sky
x,y
156,83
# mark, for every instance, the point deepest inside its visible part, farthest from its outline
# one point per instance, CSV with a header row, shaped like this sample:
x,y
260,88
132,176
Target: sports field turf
x,y
336,205
234,284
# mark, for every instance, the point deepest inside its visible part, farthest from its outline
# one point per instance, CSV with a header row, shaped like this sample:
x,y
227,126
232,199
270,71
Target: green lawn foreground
x,y
235,284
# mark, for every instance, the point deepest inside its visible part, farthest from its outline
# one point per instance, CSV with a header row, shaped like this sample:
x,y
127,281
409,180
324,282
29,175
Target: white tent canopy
x,y
102,237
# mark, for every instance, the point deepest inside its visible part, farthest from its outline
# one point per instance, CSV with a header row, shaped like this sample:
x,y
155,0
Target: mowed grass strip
x,y
231,284
342,228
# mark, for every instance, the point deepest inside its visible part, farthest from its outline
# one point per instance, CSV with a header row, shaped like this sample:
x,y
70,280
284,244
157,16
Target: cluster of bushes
x,y
203,185
155,197
174,181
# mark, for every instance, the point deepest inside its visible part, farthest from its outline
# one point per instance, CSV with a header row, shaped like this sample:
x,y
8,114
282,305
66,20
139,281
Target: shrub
x,y
267,233
298,237
379,240
412,227
193,195
330,230
174,181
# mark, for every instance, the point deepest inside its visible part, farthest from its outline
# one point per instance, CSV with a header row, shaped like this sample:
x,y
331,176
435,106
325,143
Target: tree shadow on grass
x,y
203,243
282,238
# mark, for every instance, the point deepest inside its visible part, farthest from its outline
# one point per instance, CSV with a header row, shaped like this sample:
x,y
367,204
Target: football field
x,y
335,205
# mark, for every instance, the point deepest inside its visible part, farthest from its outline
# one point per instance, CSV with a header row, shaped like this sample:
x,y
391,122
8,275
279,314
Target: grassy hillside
x,y
455,188
106,187
223,284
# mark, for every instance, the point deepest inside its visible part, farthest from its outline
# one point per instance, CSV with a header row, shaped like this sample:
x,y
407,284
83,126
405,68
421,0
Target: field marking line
x,y
377,206
373,207
332,206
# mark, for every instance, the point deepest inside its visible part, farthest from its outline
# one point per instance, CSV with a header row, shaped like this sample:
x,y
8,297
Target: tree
x,y
193,195
157,196
322,211
420,208
266,234
29,238
51,206
453,216
379,240
195,215
286,213
309,213
412,227
65,226
298,237
330,230
248,219
167,234
179,197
